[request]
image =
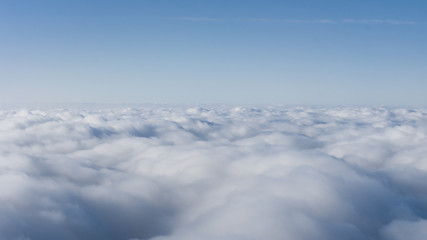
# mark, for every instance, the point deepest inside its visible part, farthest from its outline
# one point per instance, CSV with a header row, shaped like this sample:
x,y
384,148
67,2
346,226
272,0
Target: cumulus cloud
x,y
170,173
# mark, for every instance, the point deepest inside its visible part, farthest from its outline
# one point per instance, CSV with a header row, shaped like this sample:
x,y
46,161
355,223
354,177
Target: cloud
x,y
378,21
400,229
296,21
169,173
302,21
199,19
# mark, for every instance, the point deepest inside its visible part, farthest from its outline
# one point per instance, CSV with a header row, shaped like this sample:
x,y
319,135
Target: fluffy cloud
x,y
170,173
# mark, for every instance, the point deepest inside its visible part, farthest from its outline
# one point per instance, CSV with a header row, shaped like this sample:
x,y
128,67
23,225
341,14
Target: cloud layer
x,y
244,173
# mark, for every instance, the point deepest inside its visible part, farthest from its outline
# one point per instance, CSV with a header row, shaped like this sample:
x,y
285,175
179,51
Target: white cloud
x,y
199,19
379,21
400,229
169,173
303,21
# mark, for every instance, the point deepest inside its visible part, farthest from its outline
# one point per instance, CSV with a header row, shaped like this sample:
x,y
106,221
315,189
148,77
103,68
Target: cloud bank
x,y
244,173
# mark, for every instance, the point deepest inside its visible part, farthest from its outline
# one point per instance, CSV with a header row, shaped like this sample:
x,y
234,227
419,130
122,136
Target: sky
x,y
223,51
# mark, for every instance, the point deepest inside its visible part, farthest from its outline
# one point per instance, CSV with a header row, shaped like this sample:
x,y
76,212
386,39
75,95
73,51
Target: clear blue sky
x,y
214,51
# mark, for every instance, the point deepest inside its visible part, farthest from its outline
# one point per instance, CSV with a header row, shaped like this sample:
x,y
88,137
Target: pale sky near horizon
x,y
222,51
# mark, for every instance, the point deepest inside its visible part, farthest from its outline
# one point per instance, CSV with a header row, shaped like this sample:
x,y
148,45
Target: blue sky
x,y
217,51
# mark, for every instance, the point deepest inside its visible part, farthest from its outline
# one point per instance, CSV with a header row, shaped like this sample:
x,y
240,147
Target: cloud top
x,y
169,173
